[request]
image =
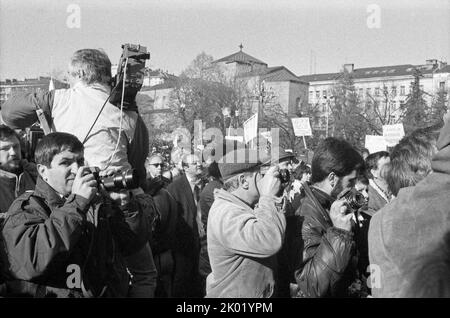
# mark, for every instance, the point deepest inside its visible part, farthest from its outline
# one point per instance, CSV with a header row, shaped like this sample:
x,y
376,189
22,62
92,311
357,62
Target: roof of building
x,y
167,84
445,69
41,81
380,71
240,57
274,74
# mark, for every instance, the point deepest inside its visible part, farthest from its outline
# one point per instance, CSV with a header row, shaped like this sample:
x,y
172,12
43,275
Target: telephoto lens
x,y
121,180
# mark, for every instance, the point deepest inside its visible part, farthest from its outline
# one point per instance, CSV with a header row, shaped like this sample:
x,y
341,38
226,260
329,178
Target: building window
x,y
442,85
311,94
402,90
369,91
394,90
317,95
377,91
324,94
360,92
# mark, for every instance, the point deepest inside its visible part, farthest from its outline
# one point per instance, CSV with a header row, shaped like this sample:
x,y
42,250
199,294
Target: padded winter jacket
x,y
52,245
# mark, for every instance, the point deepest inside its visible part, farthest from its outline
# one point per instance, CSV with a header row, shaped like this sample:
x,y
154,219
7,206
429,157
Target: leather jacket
x,y
324,251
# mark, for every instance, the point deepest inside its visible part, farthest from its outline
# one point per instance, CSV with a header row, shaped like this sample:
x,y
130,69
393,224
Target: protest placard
x,y
392,134
251,128
375,143
301,126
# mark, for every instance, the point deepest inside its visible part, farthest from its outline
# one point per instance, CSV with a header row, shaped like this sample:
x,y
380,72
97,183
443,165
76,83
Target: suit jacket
x,y
376,201
187,230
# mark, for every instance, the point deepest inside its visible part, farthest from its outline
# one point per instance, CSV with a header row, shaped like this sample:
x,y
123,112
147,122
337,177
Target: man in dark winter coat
x,y
16,174
325,243
64,239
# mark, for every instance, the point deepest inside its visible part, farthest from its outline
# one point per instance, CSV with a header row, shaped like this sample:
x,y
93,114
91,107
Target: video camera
x,y
120,180
133,61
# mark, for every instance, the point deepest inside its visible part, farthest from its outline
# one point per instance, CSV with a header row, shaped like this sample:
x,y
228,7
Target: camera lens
x,y
119,181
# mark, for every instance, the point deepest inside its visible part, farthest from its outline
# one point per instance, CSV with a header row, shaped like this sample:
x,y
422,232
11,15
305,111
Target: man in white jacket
x,y
245,230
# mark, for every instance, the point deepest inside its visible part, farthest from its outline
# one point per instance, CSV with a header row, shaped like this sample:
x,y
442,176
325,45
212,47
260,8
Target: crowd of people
x,y
250,224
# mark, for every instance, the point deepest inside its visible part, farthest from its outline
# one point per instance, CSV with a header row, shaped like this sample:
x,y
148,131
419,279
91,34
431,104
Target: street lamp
x,y
328,112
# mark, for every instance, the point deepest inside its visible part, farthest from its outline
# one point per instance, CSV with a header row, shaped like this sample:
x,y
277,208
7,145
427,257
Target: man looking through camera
x,y
65,239
245,230
326,244
74,111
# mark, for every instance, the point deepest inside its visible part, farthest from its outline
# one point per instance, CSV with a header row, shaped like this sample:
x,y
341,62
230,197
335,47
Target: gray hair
x,y
92,66
232,183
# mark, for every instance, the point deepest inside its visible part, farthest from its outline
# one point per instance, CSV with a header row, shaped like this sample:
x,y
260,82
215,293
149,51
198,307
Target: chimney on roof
x,y
441,64
433,62
349,68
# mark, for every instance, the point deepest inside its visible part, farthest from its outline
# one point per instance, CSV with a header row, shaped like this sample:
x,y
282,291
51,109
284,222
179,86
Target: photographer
x,y
74,111
325,242
66,239
245,230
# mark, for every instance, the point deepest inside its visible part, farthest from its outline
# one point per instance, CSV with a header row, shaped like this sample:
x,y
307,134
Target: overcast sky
x,y
35,36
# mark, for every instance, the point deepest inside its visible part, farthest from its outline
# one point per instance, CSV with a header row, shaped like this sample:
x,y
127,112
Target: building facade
x,y
386,84
278,83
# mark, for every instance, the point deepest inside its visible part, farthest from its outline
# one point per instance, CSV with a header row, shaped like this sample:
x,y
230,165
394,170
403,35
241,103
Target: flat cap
x,y
277,155
239,161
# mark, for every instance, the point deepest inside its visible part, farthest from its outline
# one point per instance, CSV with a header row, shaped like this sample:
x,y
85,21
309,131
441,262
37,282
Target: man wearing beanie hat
x,y
245,229
410,225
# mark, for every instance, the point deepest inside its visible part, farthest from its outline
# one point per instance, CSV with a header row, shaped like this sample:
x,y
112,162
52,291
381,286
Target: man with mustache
x,y
325,242
17,175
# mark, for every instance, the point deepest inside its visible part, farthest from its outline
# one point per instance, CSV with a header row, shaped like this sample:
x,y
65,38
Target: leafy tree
x,y
346,113
380,111
415,109
438,107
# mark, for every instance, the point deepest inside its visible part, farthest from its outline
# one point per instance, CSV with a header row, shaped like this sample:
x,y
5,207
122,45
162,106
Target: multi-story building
x,y
384,83
286,88
29,85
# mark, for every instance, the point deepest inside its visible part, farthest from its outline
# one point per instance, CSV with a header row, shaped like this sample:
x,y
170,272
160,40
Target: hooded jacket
x,y
410,224
242,246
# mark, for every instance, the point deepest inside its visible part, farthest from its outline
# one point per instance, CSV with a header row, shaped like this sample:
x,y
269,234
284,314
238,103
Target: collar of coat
x,y
45,191
324,199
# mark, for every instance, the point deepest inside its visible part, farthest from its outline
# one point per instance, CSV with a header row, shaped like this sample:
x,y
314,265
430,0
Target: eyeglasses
x,y
157,164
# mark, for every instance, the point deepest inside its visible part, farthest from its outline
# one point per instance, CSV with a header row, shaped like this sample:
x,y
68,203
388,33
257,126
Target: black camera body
x,y
133,57
284,176
118,181
355,200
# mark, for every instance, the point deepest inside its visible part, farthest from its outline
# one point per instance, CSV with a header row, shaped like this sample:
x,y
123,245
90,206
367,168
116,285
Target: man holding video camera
x,y
112,139
68,238
324,242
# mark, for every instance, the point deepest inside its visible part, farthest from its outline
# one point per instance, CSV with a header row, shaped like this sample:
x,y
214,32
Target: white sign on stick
x,y
251,128
393,133
301,126
375,143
